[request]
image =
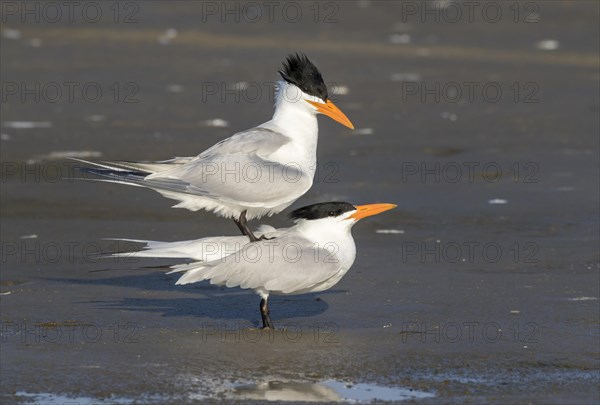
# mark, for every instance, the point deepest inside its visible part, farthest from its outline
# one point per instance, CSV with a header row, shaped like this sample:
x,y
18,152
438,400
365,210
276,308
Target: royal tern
x,y
311,256
257,172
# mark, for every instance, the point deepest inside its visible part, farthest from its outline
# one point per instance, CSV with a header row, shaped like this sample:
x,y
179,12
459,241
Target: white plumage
x,y
257,172
311,256
204,249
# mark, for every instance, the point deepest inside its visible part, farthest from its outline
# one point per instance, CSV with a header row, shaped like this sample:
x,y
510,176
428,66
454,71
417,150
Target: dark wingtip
x,y
101,172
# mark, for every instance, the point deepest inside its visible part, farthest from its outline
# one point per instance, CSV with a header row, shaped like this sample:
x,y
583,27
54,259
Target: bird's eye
x,y
332,213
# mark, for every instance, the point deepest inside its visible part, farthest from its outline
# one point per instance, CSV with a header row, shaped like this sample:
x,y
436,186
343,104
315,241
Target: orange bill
x,y
363,211
331,110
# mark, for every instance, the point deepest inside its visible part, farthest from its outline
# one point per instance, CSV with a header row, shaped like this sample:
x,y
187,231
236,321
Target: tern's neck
x,y
327,234
294,115
294,118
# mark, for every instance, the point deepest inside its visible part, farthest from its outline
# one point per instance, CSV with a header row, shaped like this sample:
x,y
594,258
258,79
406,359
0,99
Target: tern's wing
x,y
260,141
143,168
284,265
238,170
204,249
238,179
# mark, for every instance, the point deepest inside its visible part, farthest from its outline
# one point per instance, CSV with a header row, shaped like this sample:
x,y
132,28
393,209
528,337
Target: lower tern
x,y
311,256
257,172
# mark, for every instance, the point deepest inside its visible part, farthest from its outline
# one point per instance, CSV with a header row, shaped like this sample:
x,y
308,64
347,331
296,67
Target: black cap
x,y
322,210
301,72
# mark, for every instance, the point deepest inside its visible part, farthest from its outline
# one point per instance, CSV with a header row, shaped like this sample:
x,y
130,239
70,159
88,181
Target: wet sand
x,y
482,286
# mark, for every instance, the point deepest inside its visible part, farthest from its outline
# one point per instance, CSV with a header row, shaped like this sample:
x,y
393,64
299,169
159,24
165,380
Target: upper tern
x,y
311,256
260,171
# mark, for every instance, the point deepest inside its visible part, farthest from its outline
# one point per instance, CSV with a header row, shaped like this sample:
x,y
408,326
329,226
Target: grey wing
x,y
284,265
238,170
260,141
142,168
205,249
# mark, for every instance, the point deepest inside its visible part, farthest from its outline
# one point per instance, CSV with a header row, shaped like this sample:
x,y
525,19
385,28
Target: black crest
x,y
322,210
300,71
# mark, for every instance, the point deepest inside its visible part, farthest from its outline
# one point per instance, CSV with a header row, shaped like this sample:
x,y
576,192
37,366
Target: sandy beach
x,y
481,287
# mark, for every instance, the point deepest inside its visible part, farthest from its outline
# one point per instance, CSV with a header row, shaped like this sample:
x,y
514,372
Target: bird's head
x,y
338,213
304,84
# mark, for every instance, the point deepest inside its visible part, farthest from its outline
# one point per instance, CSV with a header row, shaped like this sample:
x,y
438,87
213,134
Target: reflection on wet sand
x,y
330,391
287,391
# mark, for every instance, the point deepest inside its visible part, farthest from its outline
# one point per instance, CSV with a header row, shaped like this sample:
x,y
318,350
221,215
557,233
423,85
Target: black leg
x,y
264,312
242,224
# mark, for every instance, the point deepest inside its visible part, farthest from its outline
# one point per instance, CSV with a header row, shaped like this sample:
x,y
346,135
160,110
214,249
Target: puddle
x,y
280,391
56,399
330,391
